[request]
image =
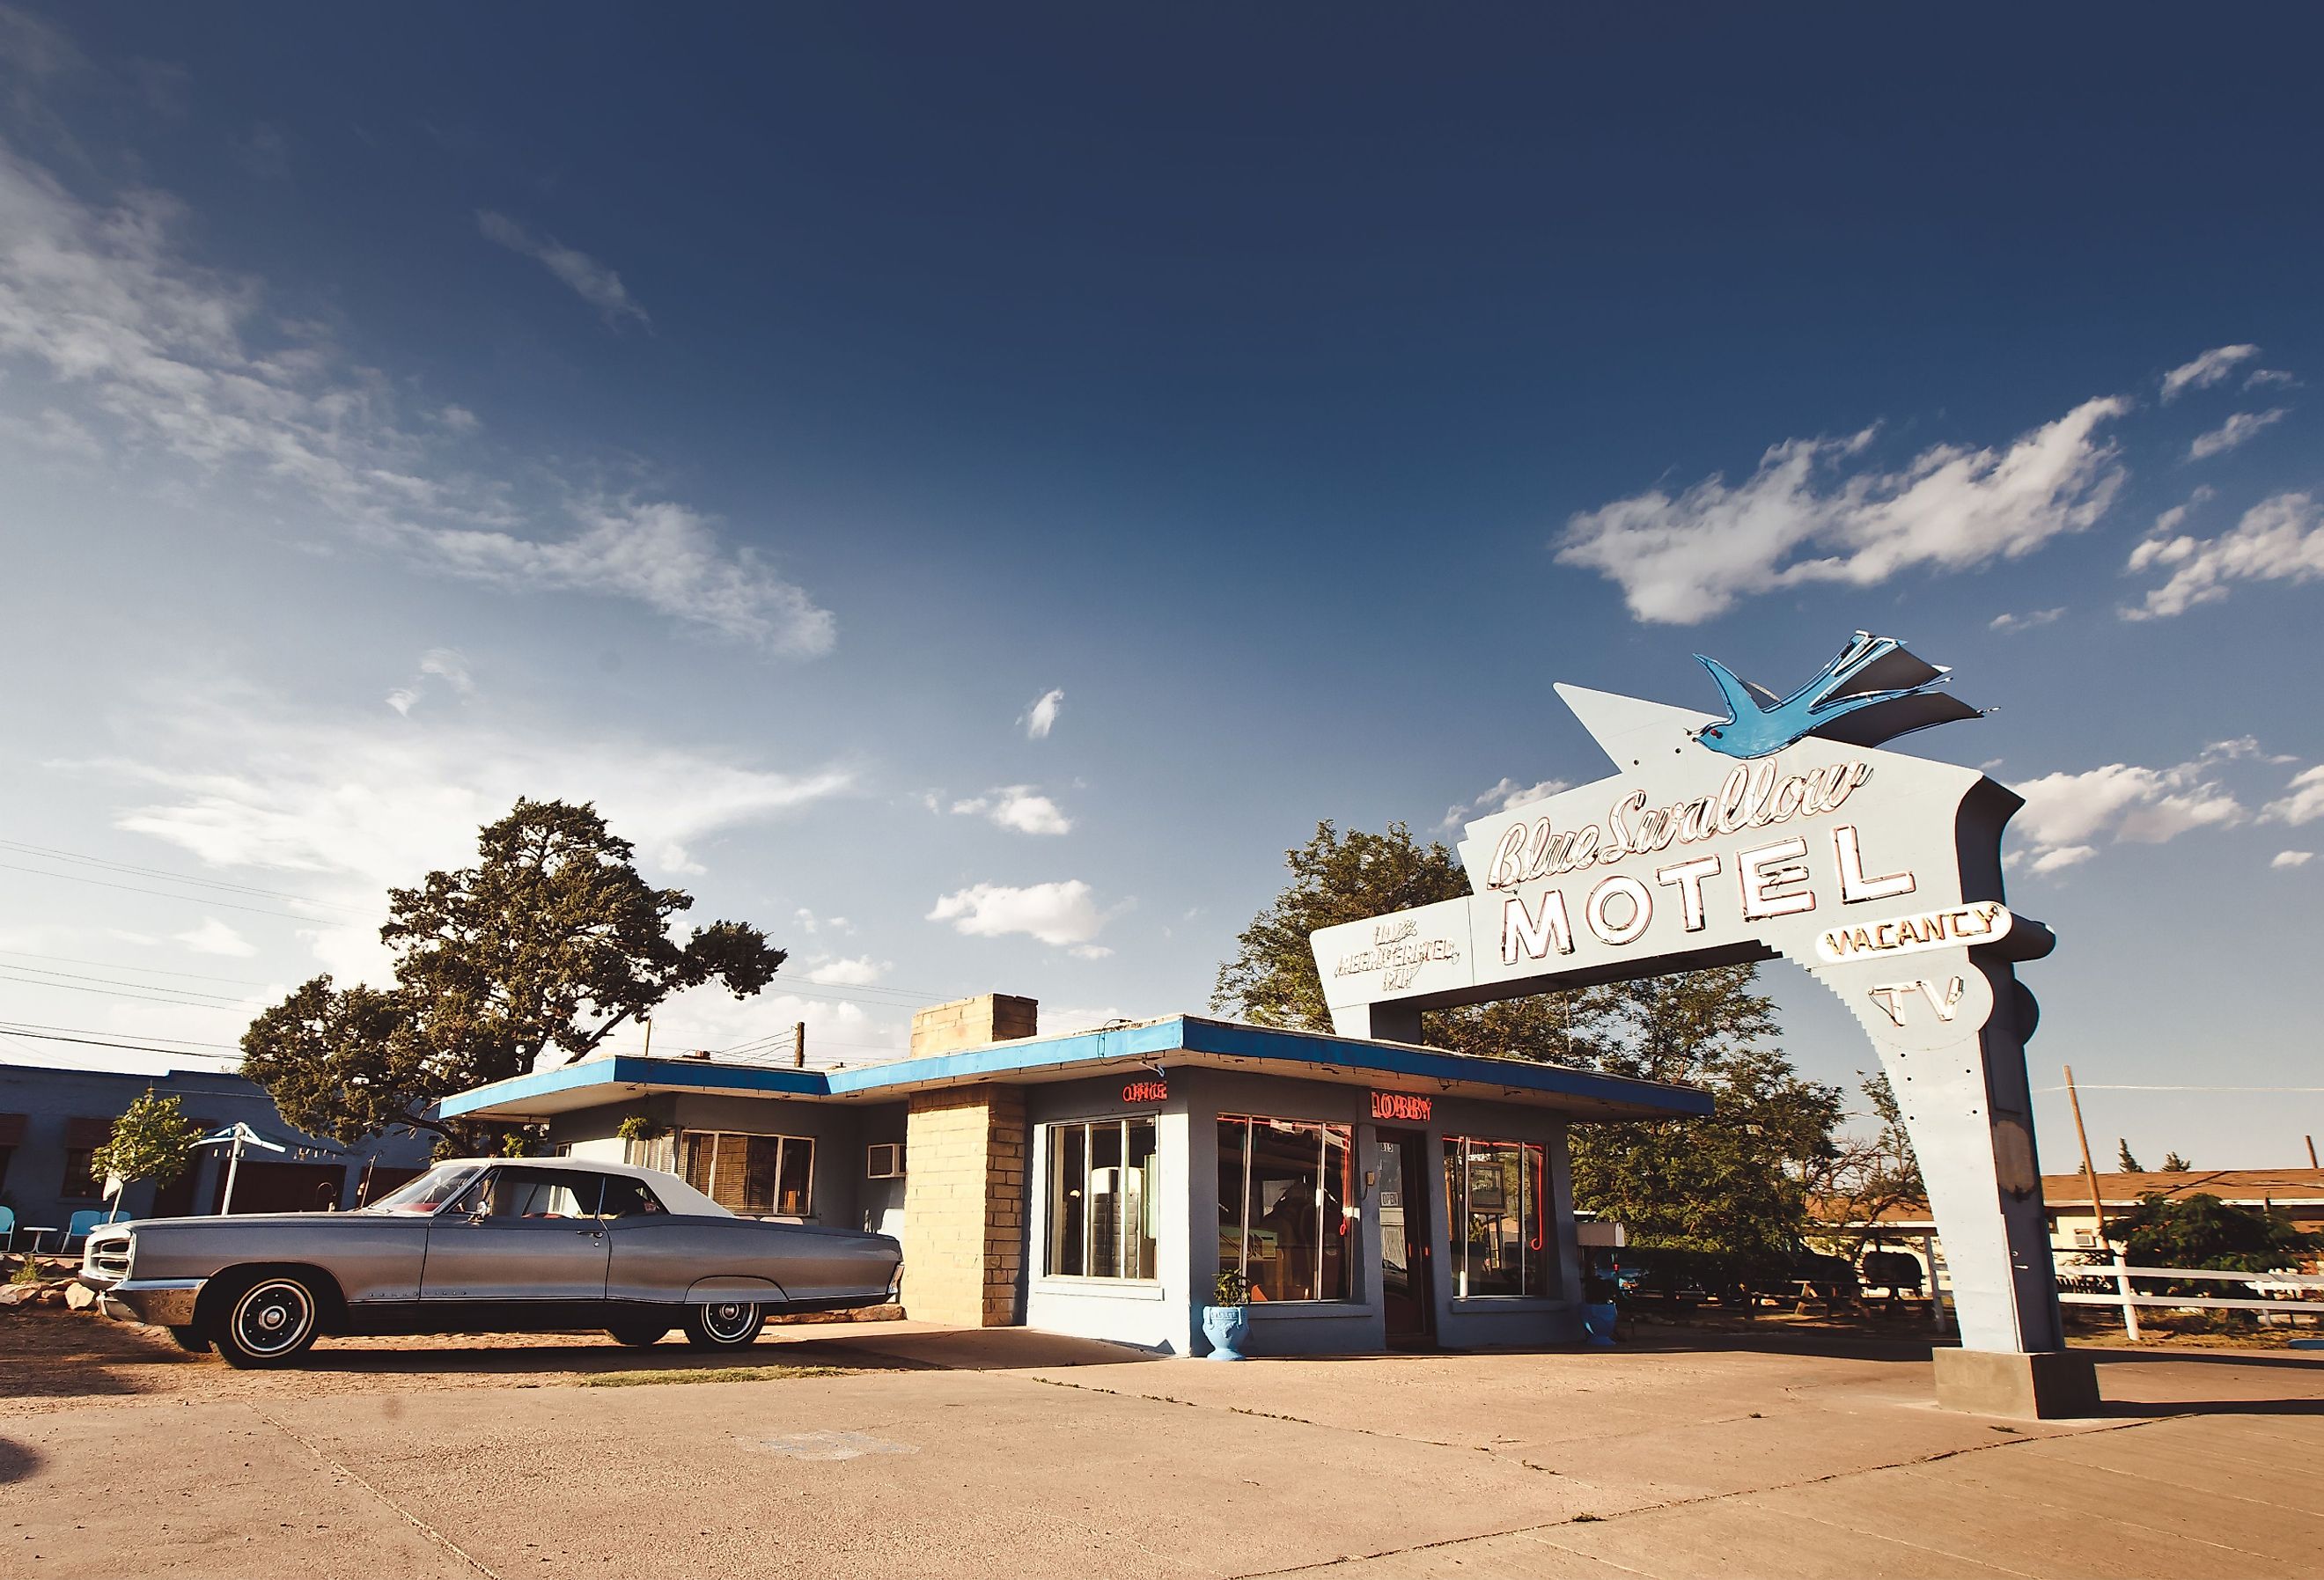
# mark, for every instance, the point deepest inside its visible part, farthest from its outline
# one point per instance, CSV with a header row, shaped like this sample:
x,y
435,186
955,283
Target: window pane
x,y
1494,1208
1335,1227
795,1183
1233,1134
1105,1194
1286,1240
1143,1178
1068,1199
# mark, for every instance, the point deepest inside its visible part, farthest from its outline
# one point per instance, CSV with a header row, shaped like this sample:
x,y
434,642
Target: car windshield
x,y
430,1191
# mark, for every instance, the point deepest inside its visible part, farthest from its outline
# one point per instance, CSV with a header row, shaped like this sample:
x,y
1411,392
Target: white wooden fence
x,y
2278,1292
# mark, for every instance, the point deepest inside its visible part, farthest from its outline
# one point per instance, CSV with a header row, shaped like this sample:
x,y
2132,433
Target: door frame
x,y
1411,1147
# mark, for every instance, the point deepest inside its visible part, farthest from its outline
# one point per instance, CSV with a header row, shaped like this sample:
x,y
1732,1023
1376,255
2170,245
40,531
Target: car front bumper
x,y
163,1302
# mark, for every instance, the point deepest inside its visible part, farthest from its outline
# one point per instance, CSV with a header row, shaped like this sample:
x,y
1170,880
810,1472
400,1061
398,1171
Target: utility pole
x,y
799,1045
649,1052
2098,1208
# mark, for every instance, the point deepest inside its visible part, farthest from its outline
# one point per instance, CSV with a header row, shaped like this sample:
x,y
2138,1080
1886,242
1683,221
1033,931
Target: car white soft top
x,y
675,1193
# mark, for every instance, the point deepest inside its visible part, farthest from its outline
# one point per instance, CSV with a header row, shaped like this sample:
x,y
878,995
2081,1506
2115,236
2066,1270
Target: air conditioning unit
x,y
884,1162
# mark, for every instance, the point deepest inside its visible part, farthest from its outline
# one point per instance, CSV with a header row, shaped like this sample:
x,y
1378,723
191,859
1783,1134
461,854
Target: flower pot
x,y
1226,1327
1598,1321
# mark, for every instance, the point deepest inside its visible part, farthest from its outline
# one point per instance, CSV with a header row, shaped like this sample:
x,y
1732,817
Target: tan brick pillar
x,y
964,1205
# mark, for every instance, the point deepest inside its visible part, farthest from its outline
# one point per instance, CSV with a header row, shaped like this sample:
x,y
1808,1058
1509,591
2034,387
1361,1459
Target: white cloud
x,y
861,970
2239,427
807,923
1042,718
2272,376
58,432
2066,814
2288,859
215,937
1018,807
663,555
2205,370
2051,861
241,781
1813,513
1064,914
450,666
591,280
1499,797
148,354
2304,804
2025,622
443,663
2279,539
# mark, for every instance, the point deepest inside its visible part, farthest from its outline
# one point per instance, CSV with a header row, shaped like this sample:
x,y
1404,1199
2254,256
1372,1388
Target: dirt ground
x,y
50,1358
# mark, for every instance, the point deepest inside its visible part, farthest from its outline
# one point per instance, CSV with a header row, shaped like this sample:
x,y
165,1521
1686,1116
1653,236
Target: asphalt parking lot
x,y
894,1448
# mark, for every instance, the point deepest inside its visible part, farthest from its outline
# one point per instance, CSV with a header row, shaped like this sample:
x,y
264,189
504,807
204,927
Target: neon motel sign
x,y
1782,829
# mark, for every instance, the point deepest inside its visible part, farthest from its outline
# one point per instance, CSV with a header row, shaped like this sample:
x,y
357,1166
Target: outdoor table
x,y
36,1230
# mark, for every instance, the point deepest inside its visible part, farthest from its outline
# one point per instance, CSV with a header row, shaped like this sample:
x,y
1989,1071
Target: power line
x,y
93,861
167,894
116,982
100,1042
181,1004
100,1031
124,966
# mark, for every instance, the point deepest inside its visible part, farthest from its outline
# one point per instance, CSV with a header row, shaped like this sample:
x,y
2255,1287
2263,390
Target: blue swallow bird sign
x,y
1783,828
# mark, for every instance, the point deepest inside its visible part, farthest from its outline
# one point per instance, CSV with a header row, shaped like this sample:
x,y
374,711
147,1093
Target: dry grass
x,y
710,1374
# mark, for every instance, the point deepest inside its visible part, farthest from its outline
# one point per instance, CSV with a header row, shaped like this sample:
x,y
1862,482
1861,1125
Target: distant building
x,y
53,1119
2298,1194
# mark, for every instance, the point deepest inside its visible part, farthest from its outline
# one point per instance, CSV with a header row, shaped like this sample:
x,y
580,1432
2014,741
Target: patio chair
x,y
88,1218
8,1228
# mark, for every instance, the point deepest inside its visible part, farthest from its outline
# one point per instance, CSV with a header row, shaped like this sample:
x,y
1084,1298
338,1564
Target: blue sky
x,y
747,421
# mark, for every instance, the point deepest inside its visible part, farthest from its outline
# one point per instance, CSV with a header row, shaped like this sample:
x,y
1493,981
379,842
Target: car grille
x,y
108,1257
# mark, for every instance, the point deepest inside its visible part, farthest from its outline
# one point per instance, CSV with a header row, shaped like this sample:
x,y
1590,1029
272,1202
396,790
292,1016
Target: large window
x,y
1495,1209
755,1176
1285,1222
1105,1188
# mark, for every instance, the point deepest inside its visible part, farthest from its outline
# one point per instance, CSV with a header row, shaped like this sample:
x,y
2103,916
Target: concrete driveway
x,y
936,1453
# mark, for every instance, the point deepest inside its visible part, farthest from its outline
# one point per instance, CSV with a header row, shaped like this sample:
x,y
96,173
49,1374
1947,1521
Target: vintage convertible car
x,y
481,1245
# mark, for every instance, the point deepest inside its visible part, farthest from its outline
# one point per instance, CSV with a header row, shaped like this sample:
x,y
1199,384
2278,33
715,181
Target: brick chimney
x,y
964,1190
991,1017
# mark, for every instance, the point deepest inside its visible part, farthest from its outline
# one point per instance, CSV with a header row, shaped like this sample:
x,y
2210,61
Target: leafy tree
x,y
533,955
2202,1231
2123,1160
153,1140
1733,1183
1868,1175
2172,1163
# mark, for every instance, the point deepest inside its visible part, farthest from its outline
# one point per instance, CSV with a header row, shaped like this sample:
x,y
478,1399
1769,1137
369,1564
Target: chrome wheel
x,y
724,1325
269,1322
730,1323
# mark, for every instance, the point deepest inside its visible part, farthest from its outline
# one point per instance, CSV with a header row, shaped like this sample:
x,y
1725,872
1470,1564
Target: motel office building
x,y
1370,1192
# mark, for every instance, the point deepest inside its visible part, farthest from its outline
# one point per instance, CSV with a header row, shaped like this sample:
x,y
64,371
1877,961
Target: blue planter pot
x,y
1227,1327
1598,1321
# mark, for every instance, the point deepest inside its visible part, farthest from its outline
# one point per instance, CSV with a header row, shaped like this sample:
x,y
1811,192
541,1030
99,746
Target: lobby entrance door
x,y
1408,1292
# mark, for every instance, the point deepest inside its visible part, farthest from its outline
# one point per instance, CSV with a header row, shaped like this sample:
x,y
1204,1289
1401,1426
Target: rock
x,y
50,1295
79,1297
18,1294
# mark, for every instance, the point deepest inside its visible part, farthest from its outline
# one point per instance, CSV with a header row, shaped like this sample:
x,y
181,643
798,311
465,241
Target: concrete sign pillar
x,y
1784,830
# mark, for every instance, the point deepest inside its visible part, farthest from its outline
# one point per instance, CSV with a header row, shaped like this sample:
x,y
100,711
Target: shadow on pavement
x,y
17,1461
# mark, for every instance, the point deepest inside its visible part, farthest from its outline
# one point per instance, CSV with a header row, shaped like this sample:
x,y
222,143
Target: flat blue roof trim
x,y
621,1071
1152,1040
1228,1036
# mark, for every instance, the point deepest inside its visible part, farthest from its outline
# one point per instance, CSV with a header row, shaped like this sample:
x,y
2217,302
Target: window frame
x,y
1538,1250
1052,1157
784,1142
